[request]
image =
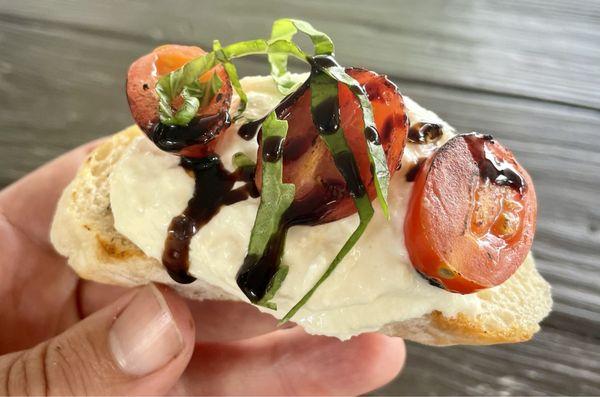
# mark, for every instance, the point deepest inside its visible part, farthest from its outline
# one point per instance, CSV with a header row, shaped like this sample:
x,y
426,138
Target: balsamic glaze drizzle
x,y
213,184
372,135
272,148
213,188
201,130
501,173
326,116
424,133
498,172
322,62
249,130
433,281
411,174
346,164
257,272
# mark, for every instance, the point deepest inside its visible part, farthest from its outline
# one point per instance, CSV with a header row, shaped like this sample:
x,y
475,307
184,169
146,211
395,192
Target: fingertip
x,y
139,344
295,363
166,376
381,358
236,320
355,366
182,316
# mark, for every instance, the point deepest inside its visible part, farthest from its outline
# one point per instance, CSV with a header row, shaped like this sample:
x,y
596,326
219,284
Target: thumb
x,y
140,344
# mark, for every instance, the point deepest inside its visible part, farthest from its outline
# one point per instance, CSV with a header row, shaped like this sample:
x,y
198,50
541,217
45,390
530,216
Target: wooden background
x,y
527,71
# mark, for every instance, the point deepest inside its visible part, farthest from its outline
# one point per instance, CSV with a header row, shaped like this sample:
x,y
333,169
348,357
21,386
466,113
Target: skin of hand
x,y
60,334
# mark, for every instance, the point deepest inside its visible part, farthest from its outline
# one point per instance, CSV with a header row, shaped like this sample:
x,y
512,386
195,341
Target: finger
x,y
30,202
290,362
222,320
93,296
138,345
228,320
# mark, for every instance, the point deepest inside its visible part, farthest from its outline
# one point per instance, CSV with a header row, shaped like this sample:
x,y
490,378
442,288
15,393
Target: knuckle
x,y
24,374
76,363
71,364
65,367
11,375
61,366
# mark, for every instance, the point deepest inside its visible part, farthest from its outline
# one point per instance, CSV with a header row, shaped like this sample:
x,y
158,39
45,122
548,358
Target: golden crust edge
x,y
436,329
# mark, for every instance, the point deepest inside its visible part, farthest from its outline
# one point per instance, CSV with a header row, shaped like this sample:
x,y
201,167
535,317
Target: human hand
x,y
60,334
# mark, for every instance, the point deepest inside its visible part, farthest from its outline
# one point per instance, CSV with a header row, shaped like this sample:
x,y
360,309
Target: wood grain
x,y
525,71
535,48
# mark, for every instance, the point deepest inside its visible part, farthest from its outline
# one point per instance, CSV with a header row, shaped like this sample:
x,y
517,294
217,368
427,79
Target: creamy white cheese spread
x,y
374,285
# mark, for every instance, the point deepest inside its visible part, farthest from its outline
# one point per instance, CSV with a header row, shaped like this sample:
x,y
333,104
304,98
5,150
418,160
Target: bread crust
x,y
83,231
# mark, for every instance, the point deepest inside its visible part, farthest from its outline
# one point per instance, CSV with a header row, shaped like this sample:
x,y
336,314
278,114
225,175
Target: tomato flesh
x,y
471,217
142,77
321,191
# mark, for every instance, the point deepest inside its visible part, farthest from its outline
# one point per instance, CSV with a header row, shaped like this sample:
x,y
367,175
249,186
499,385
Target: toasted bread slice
x,y
83,231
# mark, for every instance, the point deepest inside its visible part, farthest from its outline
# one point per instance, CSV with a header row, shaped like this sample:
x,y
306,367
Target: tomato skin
x,y
142,77
307,162
467,228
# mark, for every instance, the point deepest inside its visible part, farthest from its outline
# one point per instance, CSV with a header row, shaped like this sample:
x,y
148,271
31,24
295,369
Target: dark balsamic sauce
x,y
501,173
346,164
431,280
411,174
424,133
255,275
201,130
323,62
249,130
213,184
326,116
273,149
498,172
257,272
372,135
213,188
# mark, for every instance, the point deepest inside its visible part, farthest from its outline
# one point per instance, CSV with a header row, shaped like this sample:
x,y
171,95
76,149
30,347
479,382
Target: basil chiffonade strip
x,y
326,117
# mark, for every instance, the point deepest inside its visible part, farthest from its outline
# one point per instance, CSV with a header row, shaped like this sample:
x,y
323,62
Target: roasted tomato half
x,y
471,217
321,192
198,138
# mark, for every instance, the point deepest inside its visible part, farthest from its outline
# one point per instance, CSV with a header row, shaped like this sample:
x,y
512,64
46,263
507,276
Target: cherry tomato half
x,y
471,216
307,162
143,100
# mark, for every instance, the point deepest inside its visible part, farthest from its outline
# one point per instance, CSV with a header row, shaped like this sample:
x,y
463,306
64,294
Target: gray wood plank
x,y
521,369
61,85
536,48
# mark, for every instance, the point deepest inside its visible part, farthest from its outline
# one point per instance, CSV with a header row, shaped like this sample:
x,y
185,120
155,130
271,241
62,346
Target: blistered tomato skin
x,y
142,77
307,162
471,217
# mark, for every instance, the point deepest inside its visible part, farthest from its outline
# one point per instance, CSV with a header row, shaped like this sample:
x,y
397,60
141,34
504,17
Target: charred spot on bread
x,y
117,248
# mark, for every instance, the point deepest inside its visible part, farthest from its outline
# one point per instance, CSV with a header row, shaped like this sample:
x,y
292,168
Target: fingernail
x,y
145,336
